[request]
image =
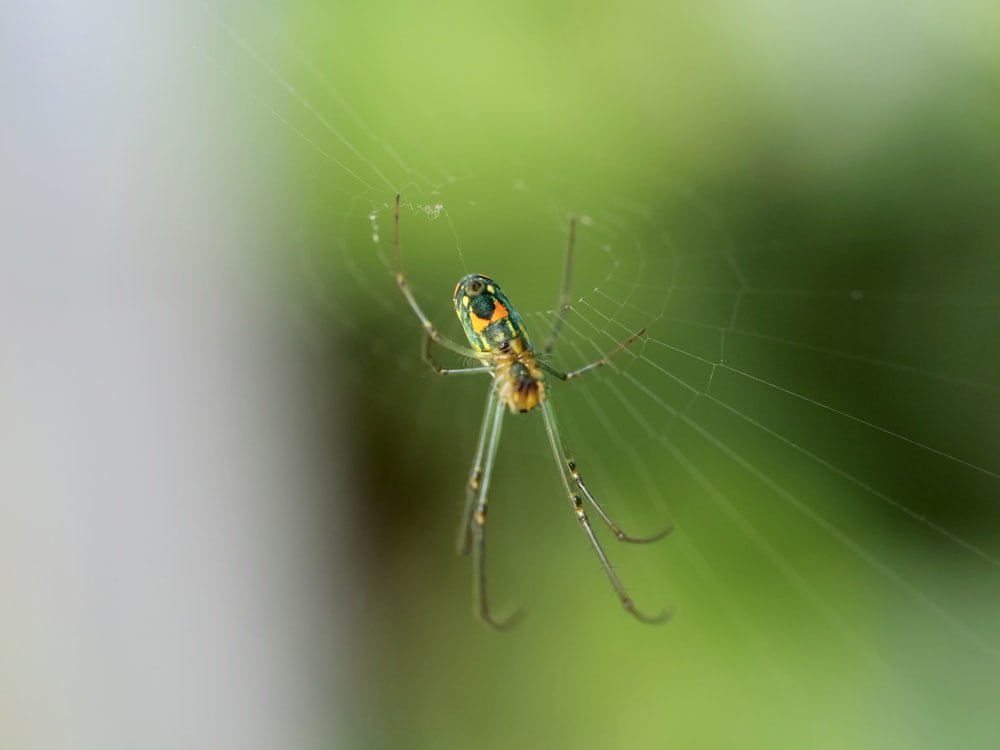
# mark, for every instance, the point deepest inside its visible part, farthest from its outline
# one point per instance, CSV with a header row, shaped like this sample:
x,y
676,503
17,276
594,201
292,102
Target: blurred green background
x,y
801,202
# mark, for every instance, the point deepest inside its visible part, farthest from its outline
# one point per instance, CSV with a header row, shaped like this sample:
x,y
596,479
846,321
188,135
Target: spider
x,y
503,349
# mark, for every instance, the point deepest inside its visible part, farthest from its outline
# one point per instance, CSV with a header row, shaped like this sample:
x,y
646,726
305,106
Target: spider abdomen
x,y
488,318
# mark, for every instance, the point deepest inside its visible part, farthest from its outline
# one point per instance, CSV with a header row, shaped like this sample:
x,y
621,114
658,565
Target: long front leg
x,y
429,329
568,469
479,487
476,474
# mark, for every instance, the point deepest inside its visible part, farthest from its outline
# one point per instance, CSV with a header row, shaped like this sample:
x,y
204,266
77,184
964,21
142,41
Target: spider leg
x,y
476,474
479,485
593,365
440,370
431,331
568,470
564,295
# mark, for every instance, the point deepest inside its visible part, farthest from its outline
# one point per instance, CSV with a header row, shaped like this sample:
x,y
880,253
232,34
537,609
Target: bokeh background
x,y
231,487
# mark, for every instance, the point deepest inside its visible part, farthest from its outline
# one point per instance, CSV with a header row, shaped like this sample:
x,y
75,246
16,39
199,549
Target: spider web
x,y
814,406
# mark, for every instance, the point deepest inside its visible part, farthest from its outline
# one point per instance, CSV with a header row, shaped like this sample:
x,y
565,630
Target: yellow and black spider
x,y
502,346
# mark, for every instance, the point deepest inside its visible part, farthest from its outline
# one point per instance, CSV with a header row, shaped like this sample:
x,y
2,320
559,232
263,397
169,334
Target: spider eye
x,y
474,287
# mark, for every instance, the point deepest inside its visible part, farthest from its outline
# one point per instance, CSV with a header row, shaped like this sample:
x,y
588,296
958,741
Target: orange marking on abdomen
x,y
478,324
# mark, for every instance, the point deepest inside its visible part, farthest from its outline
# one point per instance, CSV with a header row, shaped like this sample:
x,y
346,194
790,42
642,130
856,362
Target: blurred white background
x,y
162,580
